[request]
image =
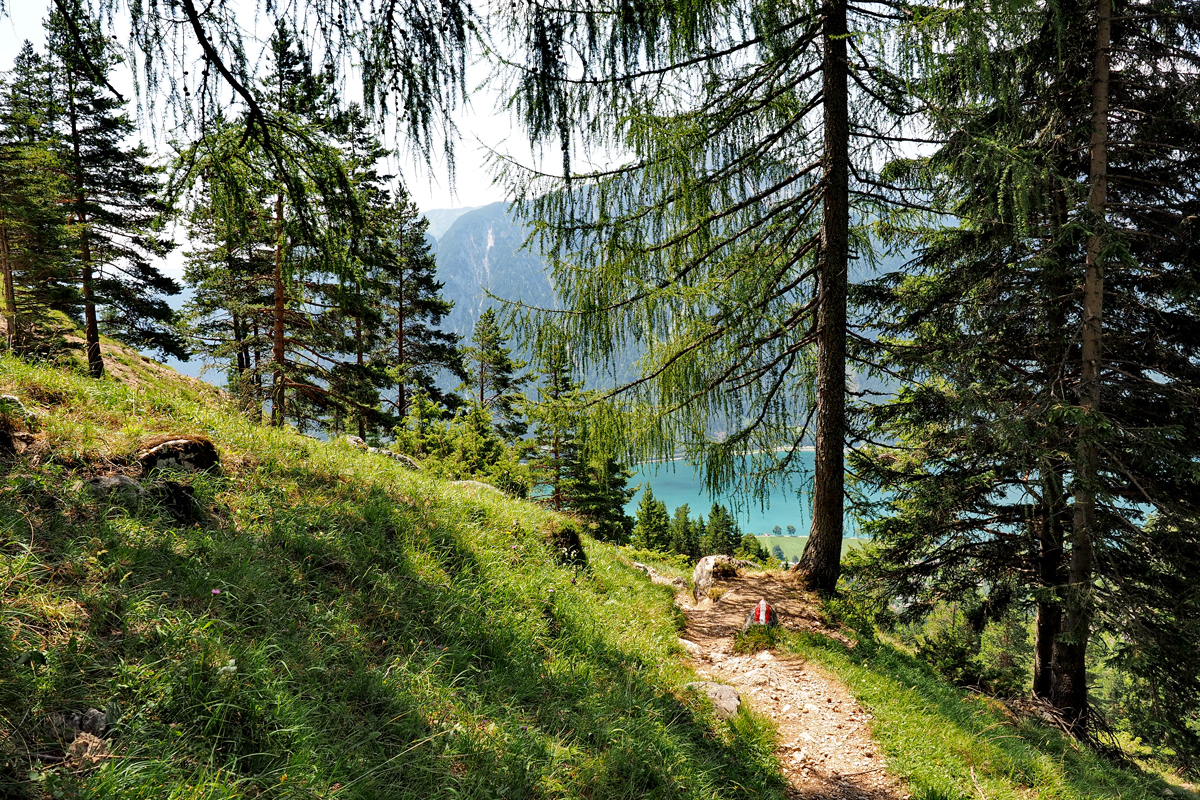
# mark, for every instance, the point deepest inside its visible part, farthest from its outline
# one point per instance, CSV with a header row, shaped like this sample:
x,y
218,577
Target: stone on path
x,y
724,698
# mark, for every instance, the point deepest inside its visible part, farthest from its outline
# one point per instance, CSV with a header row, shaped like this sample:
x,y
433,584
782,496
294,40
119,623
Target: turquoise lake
x,y
676,483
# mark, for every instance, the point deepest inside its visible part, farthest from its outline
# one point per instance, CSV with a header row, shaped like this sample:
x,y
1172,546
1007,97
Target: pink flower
x,y
216,591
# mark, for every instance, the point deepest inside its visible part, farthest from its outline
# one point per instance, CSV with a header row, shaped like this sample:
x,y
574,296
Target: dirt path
x,y
825,743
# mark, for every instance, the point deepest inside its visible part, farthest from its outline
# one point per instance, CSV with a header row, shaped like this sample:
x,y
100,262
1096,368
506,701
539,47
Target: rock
x,y
562,535
758,677
662,580
185,453
724,698
68,726
94,721
120,488
694,650
761,614
765,655
355,441
711,569
179,499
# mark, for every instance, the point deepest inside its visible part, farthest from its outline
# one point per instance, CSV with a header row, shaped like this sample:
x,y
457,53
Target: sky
x,y
430,188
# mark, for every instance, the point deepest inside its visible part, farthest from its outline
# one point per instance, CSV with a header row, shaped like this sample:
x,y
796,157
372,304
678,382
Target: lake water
x,y
676,483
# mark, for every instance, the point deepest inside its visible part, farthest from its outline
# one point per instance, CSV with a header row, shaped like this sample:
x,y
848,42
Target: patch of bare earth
x,y
825,743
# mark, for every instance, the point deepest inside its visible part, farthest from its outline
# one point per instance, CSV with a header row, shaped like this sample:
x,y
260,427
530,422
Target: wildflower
x,y
216,591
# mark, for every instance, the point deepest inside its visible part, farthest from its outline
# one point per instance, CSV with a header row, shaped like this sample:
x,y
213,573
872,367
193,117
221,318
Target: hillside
x,y
316,621
322,623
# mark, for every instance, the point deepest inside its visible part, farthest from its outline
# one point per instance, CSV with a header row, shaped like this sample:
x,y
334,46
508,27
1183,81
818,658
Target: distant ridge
x,y
440,219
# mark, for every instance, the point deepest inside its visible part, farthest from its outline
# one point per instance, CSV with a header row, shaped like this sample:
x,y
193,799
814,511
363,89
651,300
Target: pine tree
x,y
33,235
494,376
112,200
652,528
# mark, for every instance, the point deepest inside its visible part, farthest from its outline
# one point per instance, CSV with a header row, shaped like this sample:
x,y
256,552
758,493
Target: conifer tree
x,y
721,532
721,247
652,528
112,200
556,418
494,378
1026,453
34,261
685,533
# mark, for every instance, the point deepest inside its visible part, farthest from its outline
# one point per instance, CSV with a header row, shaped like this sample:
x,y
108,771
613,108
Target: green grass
x,y
793,546
331,626
949,744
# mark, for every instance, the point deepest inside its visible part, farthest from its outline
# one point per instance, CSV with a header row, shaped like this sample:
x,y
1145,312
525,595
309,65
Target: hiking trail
x,y
825,744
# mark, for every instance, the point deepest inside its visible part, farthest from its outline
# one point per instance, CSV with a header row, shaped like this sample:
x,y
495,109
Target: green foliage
x,y
948,743
756,638
111,195
652,529
335,624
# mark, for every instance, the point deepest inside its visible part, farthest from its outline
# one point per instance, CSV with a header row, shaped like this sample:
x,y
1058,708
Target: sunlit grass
x,y
330,625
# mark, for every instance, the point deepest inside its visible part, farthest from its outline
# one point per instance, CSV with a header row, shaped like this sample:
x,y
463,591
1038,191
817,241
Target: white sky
x,y
430,188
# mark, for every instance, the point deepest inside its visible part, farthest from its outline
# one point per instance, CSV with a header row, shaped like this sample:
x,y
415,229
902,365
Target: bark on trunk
x,y
91,329
1049,567
11,335
278,391
1070,692
821,562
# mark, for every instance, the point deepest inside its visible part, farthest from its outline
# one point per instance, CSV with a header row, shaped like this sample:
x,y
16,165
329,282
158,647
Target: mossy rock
x,y
564,538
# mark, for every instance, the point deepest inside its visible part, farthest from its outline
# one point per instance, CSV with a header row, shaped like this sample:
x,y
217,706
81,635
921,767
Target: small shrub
x,y
756,638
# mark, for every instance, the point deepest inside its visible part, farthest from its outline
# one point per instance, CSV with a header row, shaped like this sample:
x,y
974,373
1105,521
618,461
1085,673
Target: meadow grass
x,y
327,624
951,744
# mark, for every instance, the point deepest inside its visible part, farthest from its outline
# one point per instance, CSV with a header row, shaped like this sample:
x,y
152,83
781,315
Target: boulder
x,y
761,614
711,569
119,488
724,698
564,539
178,499
185,453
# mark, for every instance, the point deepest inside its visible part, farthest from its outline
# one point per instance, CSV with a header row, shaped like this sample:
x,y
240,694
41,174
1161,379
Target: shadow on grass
x,y
343,637
951,744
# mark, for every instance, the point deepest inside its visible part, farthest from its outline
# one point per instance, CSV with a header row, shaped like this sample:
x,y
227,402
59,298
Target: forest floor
x,y
825,744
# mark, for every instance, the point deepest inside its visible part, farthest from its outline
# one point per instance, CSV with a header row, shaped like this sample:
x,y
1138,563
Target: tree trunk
x,y
279,354
1049,568
91,329
821,562
1069,691
10,293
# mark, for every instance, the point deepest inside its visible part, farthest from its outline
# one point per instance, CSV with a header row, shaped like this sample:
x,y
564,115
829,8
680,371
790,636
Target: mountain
x,y
440,219
482,252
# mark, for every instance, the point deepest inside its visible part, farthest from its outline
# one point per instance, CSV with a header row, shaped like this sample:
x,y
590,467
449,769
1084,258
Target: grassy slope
x,y
950,744
376,634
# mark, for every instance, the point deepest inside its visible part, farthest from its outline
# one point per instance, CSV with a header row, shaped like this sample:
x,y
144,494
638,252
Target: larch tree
x,y
720,245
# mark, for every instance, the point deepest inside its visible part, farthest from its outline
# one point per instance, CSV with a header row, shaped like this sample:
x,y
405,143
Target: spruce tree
x,y
1026,453
685,533
652,528
494,379
34,261
112,199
